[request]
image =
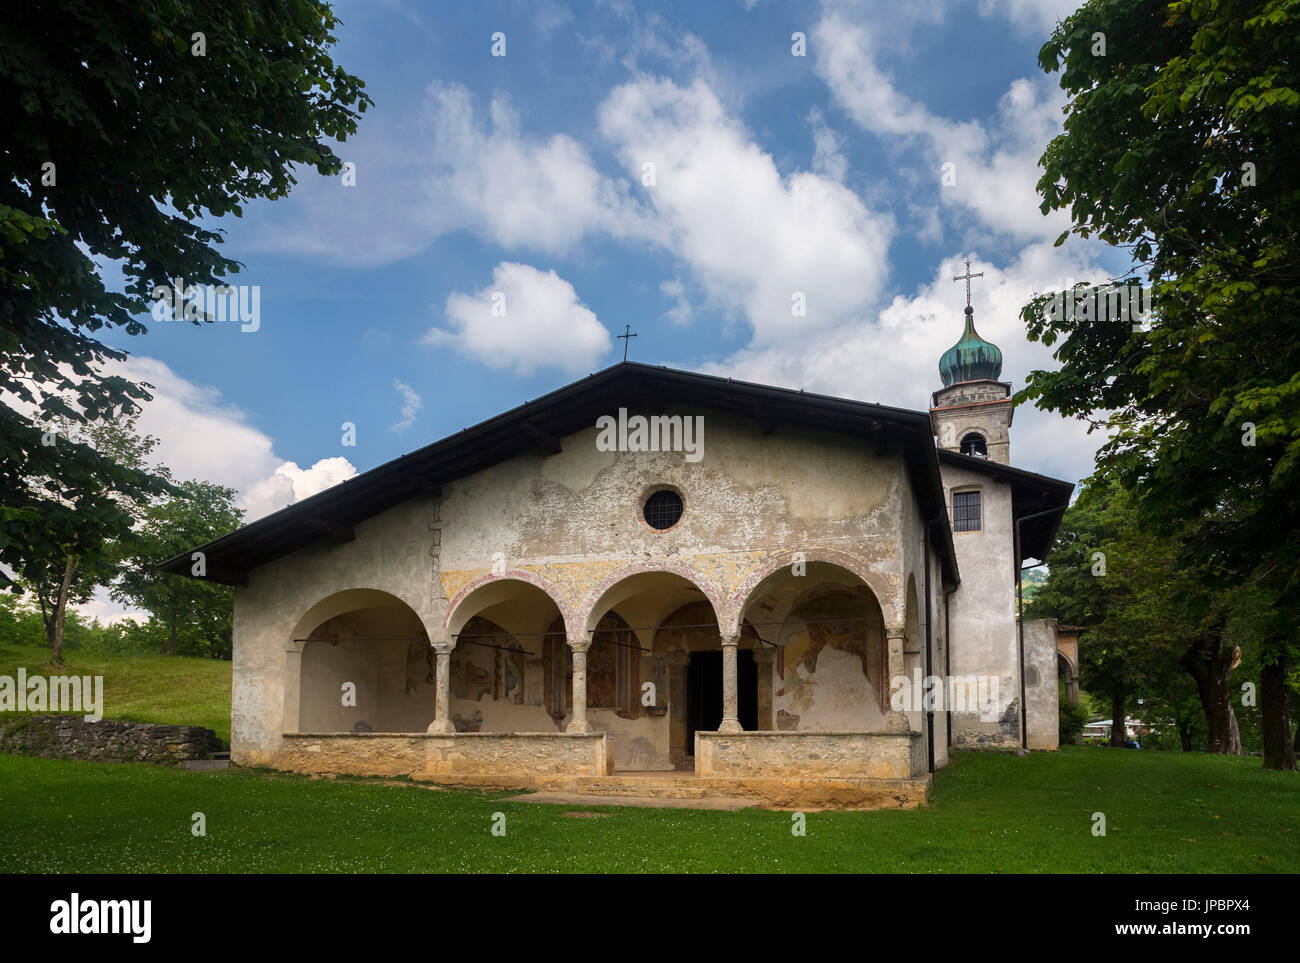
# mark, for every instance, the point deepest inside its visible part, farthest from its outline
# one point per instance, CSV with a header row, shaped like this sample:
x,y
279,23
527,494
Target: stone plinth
x,y
498,758
784,755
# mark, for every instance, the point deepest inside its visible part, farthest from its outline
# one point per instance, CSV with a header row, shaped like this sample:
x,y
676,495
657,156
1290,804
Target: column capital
x,y
730,639
579,645
443,648
895,631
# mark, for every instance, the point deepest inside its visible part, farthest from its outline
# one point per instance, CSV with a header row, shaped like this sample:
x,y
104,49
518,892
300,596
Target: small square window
x,y
966,511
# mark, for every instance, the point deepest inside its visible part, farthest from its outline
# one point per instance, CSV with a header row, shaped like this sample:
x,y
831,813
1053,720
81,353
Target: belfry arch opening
x,y
975,444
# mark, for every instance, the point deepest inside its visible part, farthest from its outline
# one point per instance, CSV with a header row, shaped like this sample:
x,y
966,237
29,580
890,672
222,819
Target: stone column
x,y
765,656
730,688
579,721
895,721
442,687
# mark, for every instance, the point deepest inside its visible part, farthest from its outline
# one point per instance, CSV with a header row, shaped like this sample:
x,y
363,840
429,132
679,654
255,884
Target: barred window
x,y
966,511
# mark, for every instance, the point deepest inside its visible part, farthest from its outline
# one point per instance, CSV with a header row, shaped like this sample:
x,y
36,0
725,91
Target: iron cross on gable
x,y
966,277
624,337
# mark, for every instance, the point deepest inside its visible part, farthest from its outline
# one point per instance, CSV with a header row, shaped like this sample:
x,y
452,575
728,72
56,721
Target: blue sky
x,y
775,176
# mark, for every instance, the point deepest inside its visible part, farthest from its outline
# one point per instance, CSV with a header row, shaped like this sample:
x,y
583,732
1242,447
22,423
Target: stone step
x,y
206,765
726,803
799,793
774,792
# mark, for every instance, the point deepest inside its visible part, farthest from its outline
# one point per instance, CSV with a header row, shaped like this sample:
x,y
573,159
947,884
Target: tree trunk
x,y
1210,665
46,618
1118,731
1185,734
60,610
171,632
1275,720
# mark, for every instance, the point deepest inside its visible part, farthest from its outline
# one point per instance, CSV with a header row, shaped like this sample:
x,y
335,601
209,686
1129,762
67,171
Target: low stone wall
x,y
864,755
515,758
353,753
542,755
72,737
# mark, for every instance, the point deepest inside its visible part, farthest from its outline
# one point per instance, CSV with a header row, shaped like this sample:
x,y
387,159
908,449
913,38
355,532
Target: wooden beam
x,y
421,485
334,530
227,576
546,442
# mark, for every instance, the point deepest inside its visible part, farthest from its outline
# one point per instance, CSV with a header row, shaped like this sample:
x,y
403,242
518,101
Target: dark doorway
x,y
704,693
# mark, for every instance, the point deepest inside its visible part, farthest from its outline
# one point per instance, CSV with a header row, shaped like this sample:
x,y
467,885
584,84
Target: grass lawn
x,y
1165,812
141,688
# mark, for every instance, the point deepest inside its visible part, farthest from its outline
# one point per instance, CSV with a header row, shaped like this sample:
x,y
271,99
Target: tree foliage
x,y
193,616
127,128
1179,145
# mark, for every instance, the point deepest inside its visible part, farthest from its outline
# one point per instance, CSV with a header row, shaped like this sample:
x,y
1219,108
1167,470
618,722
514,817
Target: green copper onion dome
x,y
970,359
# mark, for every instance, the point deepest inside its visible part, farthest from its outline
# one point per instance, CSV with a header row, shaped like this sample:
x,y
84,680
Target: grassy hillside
x,y
141,688
1166,812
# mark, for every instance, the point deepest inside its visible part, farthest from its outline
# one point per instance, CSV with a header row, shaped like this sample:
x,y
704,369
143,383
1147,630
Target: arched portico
x,y
635,681
833,651
494,645
359,661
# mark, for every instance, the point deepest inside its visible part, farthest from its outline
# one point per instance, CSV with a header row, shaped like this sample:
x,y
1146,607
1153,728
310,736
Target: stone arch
x,y
340,603
750,586
359,660
974,442
493,588
628,580
1069,675
829,666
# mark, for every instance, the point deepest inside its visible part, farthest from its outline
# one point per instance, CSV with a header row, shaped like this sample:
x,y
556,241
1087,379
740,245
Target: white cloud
x,y
679,313
420,177
410,405
828,158
516,190
289,484
1031,16
996,166
543,324
753,239
201,436
892,357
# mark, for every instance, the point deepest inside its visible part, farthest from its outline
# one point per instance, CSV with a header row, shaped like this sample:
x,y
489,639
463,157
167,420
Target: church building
x,y
653,581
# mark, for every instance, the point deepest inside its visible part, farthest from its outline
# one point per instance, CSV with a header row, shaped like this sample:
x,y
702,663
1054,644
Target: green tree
x,y
1146,620
1179,145
76,539
66,566
125,131
194,613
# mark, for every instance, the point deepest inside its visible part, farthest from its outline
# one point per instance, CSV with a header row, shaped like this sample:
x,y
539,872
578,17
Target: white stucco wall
x,y
572,522
982,615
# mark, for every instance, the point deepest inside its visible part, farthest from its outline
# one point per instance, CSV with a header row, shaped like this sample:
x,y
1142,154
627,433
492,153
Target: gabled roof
x,y
539,425
1031,494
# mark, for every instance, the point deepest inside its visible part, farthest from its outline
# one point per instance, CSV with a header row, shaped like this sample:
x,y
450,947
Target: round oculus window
x,y
663,509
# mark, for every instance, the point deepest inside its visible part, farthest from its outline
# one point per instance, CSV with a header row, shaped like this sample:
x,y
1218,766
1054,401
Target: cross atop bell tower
x,y
966,277
971,413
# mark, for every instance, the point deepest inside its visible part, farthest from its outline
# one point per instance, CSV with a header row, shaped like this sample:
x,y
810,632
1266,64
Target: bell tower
x,y
971,413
